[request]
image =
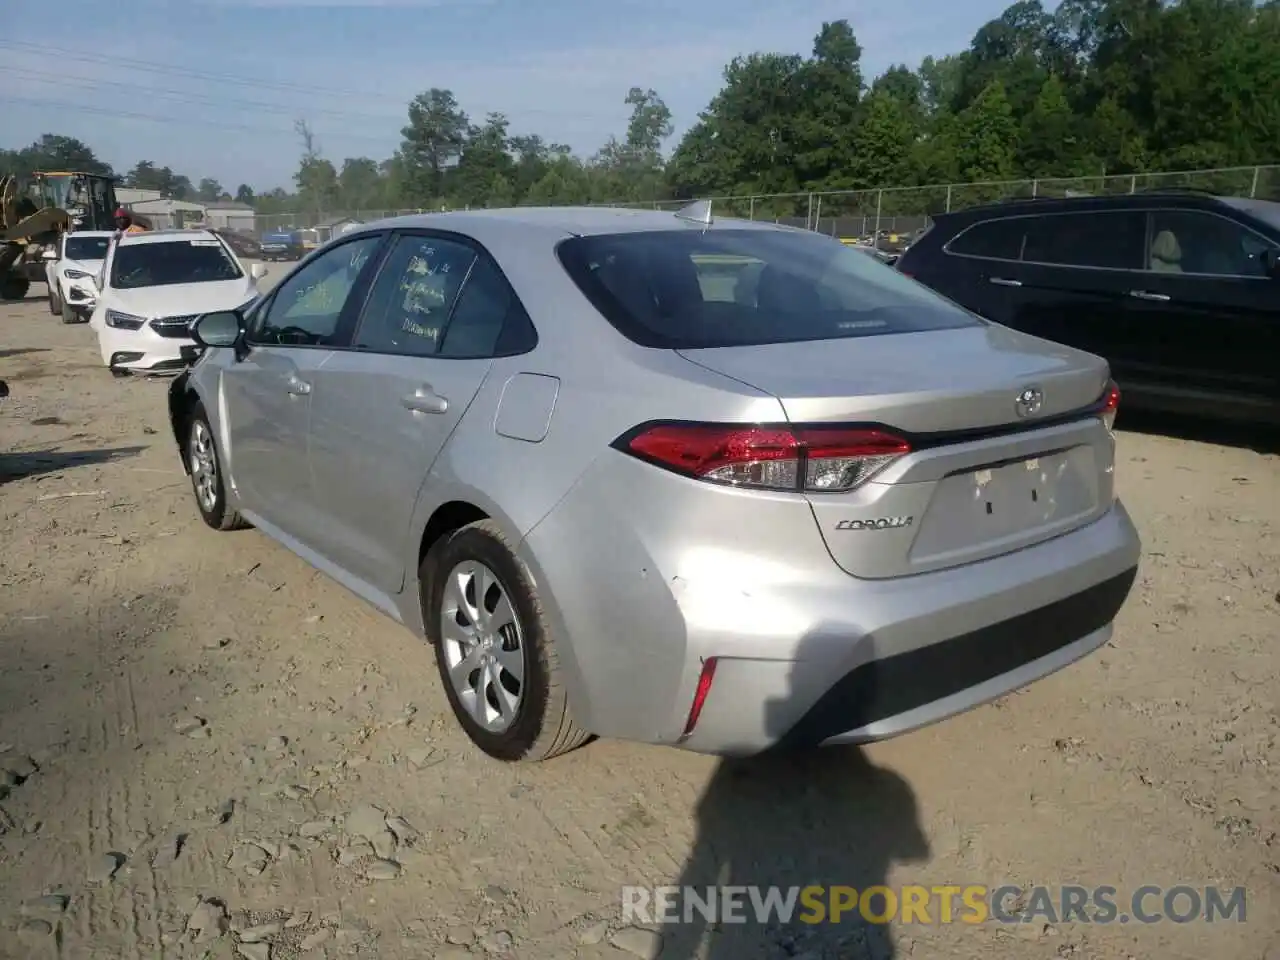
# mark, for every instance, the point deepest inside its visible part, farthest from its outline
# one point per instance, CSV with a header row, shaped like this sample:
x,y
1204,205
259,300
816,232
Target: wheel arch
x,y
451,509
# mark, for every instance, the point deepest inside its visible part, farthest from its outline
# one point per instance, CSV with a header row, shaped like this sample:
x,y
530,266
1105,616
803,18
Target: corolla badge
x,y
1029,401
879,523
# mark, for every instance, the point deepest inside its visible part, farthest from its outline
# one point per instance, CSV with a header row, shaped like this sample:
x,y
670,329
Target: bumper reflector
x,y
700,695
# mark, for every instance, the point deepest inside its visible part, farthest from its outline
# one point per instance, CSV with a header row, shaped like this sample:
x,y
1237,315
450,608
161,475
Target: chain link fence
x,y
850,214
901,210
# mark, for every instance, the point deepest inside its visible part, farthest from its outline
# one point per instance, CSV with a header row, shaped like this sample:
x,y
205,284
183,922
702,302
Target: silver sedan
x,y
709,483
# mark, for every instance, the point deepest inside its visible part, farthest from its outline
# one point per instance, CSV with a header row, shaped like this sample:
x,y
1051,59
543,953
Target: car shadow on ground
x,y
20,466
1249,436
20,351
787,820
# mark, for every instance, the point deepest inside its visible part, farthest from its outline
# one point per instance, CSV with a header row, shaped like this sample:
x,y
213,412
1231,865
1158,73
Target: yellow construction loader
x,y
32,220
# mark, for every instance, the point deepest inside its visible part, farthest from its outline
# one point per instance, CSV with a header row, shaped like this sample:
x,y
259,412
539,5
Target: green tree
x,y
1053,142
432,142
501,193
360,184
209,190
244,194
145,175
747,139
633,168
882,147
940,82
485,158
54,152
1115,139
986,137
826,122
316,179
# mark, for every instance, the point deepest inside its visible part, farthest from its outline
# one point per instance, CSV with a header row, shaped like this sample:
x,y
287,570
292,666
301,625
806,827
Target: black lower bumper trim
x,y
892,686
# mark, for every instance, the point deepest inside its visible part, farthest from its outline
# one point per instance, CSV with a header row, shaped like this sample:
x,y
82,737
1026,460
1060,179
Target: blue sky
x,y
213,88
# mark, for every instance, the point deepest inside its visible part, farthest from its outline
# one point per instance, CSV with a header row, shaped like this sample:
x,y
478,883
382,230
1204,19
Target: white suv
x,y
71,271
154,284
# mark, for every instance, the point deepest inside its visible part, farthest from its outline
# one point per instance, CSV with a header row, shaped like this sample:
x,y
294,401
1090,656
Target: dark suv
x,y
1178,290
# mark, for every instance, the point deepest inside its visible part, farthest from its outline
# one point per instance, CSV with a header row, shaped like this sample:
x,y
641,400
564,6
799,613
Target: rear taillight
x,y
810,459
1110,404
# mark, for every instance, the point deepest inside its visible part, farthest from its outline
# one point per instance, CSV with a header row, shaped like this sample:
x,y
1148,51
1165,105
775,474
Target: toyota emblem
x,y
1029,402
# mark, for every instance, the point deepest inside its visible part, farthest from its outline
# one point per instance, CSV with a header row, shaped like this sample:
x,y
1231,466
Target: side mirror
x,y
1271,263
218,329
258,271
49,255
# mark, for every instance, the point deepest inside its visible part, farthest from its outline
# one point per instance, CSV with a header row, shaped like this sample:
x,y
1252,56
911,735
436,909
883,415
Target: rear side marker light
x,y
700,695
767,457
1110,404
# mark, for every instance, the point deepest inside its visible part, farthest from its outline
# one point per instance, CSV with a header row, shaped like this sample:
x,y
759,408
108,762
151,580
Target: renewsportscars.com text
x,y
970,904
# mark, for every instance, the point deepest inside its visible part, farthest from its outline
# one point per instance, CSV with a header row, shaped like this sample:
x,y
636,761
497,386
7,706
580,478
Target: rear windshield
x,y
173,261
684,289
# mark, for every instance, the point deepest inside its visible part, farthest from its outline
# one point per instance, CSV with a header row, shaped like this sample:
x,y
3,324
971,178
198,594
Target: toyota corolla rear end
x,y
924,520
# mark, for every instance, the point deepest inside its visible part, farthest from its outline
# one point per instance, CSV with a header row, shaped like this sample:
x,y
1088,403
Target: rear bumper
x,y
888,658
884,698
643,589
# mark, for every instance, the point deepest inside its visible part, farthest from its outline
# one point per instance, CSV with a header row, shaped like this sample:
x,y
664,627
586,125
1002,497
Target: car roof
x,y
1023,206
566,221
98,234
166,236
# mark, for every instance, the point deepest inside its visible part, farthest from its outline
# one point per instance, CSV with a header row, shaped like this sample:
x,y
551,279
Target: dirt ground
x,y
196,727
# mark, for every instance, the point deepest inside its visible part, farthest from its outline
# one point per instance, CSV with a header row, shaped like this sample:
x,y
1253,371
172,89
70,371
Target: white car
x,y
71,272
153,285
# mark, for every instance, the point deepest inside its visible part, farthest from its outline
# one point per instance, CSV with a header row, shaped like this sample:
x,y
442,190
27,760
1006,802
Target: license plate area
x,y
1008,505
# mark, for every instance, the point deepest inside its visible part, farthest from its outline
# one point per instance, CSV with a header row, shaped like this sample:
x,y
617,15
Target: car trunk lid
x,y
1005,452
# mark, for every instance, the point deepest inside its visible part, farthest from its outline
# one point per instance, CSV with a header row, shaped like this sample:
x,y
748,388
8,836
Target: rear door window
x,y
683,289
413,296
1099,239
992,239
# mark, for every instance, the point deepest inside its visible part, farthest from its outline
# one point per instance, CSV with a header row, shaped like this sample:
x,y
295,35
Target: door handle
x,y
425,400
1004,282
1147,295
297,387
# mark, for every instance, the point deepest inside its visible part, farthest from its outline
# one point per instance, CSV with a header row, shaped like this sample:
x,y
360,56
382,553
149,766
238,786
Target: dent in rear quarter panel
x,y
655,572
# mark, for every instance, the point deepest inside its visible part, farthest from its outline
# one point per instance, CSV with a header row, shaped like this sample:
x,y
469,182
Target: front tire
x,y
68,314
205,467
55,302
494,649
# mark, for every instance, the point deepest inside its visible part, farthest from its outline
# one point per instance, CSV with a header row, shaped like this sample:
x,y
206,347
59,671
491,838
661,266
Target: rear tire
x,y
205,466
487,624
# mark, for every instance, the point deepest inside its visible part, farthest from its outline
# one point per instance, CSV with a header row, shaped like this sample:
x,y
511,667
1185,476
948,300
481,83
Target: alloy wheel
x,y
482,643
204,466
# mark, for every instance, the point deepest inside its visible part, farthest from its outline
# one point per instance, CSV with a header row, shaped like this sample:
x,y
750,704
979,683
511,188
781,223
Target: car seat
x,y
1166,253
